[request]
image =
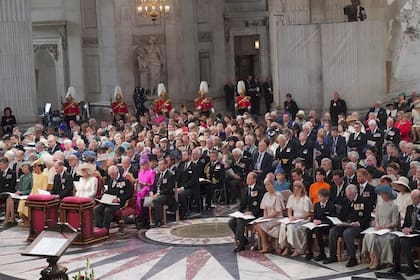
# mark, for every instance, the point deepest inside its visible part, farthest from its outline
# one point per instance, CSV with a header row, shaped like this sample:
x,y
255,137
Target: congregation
x,y
302,181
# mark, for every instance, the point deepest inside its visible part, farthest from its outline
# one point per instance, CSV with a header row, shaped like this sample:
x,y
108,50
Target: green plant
x,y
87,274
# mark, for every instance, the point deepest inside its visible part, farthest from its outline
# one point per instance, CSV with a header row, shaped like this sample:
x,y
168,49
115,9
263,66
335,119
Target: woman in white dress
x,y
88,184
272,204
292,235
379,247
403,196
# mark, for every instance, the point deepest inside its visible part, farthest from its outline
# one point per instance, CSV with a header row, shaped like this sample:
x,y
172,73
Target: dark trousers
x,y
319,235
404,245
349,234
234,189
238,228
183,197
158,203
67,120
104,214
208,191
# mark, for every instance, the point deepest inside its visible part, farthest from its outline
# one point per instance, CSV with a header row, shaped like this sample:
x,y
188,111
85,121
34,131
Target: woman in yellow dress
x,y
40,182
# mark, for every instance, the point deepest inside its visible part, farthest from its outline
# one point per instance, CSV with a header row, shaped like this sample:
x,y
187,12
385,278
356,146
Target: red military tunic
x,y
162,105
205,104
119,108
71,108
243,102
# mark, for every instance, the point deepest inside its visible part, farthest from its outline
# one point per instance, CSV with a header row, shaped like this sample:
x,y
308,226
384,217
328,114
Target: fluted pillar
x,y
17,75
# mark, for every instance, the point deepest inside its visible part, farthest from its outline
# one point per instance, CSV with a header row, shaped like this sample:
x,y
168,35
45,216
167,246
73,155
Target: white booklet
x,y
288,221
43,192
14,195
241,215
311,225
372,230
107,199
401,234
260,220
204,180
336,221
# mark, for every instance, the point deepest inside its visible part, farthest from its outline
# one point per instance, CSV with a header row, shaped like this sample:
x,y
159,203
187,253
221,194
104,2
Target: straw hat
x,y
85,166
402,181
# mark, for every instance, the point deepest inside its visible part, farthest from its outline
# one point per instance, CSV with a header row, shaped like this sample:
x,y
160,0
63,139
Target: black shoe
x,y
330,260
240,247
411,271
158,224
352,262
308,257
320,257
395,270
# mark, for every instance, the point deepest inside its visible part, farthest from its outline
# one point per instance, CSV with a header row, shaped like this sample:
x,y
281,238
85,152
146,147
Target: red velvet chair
x,y
43,213
78,212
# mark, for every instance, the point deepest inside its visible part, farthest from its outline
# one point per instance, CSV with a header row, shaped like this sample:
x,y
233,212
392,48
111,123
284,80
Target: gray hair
x,y
352,188
353,154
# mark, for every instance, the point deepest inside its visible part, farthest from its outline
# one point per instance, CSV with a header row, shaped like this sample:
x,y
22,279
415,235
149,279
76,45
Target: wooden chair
x,y
165,209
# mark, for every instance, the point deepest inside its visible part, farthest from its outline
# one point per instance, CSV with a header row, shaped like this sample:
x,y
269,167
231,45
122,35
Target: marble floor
x,y
133,255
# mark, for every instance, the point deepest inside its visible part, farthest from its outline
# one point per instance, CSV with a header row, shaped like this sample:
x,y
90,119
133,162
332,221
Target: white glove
x,y
212,110
199,108
77,118
249,107
236,105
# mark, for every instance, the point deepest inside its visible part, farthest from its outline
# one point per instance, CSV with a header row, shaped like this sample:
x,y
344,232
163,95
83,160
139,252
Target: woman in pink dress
x,y
404,125
146,177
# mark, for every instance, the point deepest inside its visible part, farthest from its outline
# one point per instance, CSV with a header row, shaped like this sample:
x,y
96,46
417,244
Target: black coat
x,y
338,197
340,147
306,151
133,170
252,202
382,116
8,181
356,211
63,187
166,185
392,135
336,108
377,137
54,149
368,194
408,218
286,156
291,107
186,178
266,165
322,213
357,144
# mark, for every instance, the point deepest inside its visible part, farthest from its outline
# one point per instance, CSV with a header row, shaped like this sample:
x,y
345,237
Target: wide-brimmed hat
x,y
402,181
386,189
351,118
85,166
37,162
300,113
390,177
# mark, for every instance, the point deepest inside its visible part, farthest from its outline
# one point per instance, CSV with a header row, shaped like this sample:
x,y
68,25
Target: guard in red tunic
x,y
163,105
70,107
119,107
242,102
204,104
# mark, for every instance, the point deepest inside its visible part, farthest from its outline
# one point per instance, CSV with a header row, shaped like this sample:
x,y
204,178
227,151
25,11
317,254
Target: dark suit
x,y
265,167
321,213
214,172
286,156
405,244
358,143
133,170
338,151
338,196
63,185
121,188
376,136
368,194
73,173
352,211
392,135
8,181
250,201
164,186
336,108
241,169
54,149
382,116
186,177
306,151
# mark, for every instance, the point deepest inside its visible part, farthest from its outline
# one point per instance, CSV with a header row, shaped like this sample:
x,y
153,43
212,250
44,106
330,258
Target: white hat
x,y
204,87
117,90
241,87
71,92
402,181
161,89
300,113
86,166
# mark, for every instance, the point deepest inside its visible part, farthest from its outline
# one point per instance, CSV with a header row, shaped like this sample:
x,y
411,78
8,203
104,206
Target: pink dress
x,y
146,179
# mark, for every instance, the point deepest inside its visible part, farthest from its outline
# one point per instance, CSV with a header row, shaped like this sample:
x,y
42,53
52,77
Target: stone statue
x,y
149,60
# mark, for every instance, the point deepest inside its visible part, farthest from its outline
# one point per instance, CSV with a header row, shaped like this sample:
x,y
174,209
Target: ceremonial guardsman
x,y
70,107
163,105
204,104
119,107
243,102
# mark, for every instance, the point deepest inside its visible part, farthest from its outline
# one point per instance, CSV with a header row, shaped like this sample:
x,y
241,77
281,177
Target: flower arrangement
x,y
87,274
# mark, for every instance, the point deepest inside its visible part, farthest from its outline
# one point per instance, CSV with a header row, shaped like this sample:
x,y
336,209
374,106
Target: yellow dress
x,y
40,182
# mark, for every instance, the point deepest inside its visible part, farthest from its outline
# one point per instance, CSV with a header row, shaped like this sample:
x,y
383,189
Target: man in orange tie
x,y
163,105
204,104
242,102
70,107
119,107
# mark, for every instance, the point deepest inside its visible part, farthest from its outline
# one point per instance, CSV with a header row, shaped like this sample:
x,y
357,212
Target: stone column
x,y
17,75
274,9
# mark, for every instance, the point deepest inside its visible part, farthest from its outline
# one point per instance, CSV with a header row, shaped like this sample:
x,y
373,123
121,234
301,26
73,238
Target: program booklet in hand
x,y
311,225
241,215
336,221
372,230
401,234
107,199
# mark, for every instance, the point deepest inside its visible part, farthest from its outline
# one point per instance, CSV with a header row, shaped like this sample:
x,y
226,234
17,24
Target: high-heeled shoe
x,y
286,252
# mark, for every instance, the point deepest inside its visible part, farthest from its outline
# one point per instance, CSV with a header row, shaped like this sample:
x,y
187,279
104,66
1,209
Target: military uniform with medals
x,y
286,155
241,169
122,189
214,174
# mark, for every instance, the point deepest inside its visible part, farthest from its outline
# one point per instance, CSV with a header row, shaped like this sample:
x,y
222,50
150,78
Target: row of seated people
x,y
354,211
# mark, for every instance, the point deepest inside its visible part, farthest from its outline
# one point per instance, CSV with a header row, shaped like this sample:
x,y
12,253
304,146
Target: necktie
x,y
258,163
249,192
322,206
334,146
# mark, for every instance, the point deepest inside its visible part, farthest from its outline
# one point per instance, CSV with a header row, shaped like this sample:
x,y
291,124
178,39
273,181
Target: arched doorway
x,y
46,80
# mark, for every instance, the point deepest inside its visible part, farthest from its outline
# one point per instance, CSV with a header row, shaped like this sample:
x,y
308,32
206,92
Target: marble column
x,y
274,9
74,48
17,75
